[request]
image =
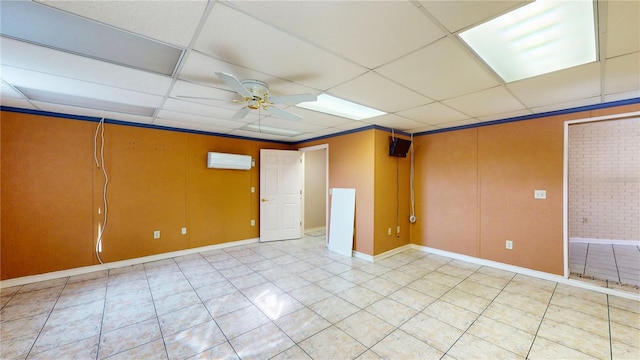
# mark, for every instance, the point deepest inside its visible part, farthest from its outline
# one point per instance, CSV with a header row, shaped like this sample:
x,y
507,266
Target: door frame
x,y
326,190
565,178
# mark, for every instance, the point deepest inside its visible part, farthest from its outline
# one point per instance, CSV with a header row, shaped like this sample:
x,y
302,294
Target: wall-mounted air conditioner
x,y
217,160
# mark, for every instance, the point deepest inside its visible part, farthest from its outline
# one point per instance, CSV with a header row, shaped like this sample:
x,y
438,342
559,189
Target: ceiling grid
x,y
405,58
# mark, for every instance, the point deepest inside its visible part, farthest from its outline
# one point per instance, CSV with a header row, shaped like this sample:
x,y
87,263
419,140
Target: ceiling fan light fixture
x,y
339,107
535,39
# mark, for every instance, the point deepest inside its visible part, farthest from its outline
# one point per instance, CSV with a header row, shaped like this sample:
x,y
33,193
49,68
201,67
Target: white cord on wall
x,y
412,215
100,165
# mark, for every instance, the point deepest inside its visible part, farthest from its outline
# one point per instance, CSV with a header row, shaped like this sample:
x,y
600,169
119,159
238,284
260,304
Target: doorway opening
x,y
315,190
602,201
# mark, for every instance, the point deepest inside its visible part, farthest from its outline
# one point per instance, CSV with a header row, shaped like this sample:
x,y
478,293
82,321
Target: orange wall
x,y
446,191
391,201
474,190
46,191
158,180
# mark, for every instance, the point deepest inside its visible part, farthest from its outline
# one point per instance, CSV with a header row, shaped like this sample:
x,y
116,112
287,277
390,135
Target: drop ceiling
x,y
401,57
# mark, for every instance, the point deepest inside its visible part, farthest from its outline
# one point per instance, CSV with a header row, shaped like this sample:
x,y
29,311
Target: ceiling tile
x,y
567,105
440,71
173,22
623,27
7,91
205,95
98,114
422,129
192,108
243,41
395,122
192,126
260,135
320,119
502,116
559,86
433,114
375,91
352,126
458,123
622,96
16,102
459,14
383,30
616,74
44,60
275,122
201,68
489,102
57,84
208,121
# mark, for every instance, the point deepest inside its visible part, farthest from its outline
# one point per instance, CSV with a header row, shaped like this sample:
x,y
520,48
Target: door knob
x,y
263,200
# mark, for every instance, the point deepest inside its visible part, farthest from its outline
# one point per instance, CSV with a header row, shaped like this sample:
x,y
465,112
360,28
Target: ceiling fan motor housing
x,y
259,89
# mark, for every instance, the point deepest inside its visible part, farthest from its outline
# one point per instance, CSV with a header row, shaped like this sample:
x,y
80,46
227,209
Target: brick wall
x,y
604,180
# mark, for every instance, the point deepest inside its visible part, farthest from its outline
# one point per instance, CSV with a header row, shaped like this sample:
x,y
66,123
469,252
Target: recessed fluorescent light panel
x,y
271,130
45,26
335,106
536,39
79,101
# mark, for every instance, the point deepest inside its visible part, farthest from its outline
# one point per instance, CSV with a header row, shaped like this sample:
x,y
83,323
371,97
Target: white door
x,y
280,195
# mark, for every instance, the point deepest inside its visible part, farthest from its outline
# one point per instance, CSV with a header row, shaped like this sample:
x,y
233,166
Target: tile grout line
x,y
155,309
479,315
104,311
615,261
609,323
202,302
48,316
535,336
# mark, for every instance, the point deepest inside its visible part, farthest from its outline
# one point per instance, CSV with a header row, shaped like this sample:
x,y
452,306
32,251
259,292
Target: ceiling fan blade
x,y
235,84
284,114
241,113
292,99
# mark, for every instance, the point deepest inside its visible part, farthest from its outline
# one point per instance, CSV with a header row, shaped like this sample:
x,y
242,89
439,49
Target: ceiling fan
x,y
255,94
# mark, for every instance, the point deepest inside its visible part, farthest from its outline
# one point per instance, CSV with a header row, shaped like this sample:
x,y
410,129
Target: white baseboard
x,y
384,255
529,272
605,241
118,264
362,256
319,228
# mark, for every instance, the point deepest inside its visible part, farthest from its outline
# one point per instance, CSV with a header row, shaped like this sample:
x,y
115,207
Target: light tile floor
x,y
616,264
296,300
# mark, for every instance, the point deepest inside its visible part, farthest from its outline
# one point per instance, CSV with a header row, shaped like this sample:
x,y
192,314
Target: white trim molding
x,y
118,264
384,255
529,272
605,241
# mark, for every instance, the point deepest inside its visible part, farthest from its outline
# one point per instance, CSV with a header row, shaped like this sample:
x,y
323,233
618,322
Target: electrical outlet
x,y
398,229
156,234
539,194
183,231
253,222
253,189
389,231
509,244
